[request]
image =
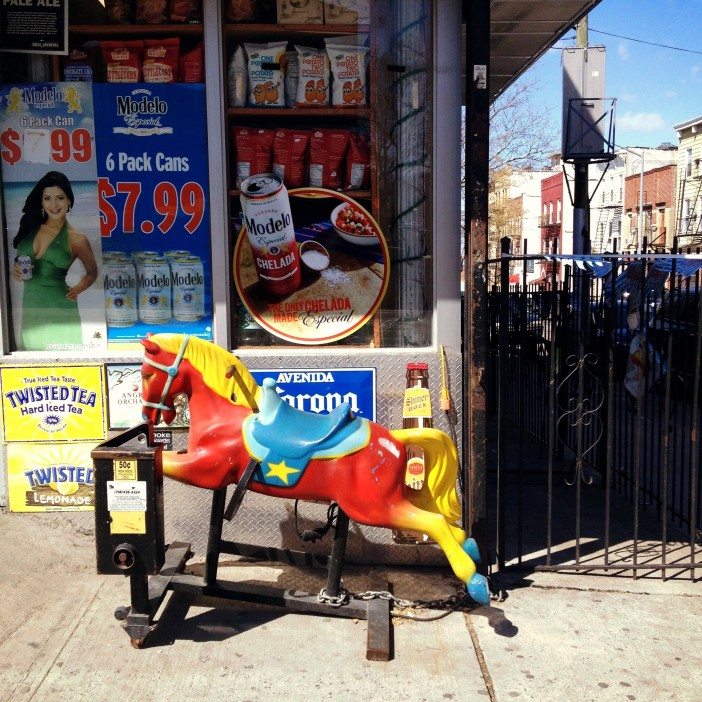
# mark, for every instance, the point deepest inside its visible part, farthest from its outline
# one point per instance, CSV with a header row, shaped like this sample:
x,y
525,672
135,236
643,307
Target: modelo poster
x,y
47,152
154,219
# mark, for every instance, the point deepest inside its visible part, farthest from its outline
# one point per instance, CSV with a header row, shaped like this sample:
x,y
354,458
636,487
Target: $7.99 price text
x,y
118,204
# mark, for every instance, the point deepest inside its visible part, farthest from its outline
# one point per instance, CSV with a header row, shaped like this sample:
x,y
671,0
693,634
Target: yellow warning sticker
x,y
124,469
127,522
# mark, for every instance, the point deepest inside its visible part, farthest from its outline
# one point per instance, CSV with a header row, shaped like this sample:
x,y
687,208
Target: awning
x,y
521,31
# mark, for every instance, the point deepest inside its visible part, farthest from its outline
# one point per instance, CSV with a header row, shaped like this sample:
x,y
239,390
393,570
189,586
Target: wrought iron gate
x,y
594,457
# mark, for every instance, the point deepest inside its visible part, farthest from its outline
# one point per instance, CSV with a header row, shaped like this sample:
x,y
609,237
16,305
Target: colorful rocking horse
x,y
335,457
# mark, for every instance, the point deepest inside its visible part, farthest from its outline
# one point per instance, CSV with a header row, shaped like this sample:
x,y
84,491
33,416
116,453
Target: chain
x,y
344,597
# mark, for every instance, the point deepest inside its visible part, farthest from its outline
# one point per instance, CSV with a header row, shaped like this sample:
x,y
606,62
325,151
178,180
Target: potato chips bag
x,y
265,69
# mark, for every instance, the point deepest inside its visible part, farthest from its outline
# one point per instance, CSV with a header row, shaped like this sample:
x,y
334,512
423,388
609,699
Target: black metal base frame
x,y
148,593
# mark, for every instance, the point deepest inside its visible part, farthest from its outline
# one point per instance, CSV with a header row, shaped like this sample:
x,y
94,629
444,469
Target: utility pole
x,y
581,194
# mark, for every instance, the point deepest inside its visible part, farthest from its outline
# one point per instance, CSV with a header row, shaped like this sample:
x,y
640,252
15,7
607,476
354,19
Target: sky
x,y
656,87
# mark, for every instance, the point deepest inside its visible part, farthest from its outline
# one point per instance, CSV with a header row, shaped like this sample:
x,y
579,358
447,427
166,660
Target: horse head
x,y
161,379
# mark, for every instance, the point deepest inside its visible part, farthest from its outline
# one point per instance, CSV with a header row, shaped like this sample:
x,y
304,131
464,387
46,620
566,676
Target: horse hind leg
x,y
462,555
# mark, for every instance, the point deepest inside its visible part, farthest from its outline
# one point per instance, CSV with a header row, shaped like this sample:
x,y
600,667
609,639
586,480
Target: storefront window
x,y
336,106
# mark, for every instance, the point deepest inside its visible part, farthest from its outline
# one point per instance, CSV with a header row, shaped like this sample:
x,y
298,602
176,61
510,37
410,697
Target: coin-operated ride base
x,y
129,532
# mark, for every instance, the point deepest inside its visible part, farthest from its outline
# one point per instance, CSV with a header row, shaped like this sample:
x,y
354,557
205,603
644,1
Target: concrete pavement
x,y
555,637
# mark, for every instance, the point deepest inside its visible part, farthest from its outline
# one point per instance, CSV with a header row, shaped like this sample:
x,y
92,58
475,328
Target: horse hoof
x,y
471,548
478,589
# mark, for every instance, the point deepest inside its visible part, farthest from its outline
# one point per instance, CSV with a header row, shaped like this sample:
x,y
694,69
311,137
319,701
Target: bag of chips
x,y
292,74
289,156
122,60
358,162
184,11
118,11
253,151
313,77
237,79
161,58
192,65
151,12
265,69
240,10
327,151
300,12
348,67
79,65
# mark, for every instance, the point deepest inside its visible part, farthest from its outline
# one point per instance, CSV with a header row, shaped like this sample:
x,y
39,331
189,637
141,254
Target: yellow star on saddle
x,y
280,471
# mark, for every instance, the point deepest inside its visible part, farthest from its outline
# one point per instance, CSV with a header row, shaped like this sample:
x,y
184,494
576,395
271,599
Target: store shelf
x,y
355,194
134,30
299,31
353,112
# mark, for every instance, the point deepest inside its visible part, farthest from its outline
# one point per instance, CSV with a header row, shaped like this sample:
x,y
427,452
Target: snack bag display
x,y
327,151
79,65
240,10
118,11
289,156
237,79
357,175
346,11
348,67
265,69
292,75
185,11
253,151
151,12
192,65
313,77
161,59
122,60
300,11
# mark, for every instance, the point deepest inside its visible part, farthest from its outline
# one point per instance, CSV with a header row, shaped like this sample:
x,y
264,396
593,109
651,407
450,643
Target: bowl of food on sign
x,y
353,225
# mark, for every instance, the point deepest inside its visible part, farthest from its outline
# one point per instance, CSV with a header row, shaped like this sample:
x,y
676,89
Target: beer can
x,y
188,285
269,226
119,277
25,266
154,281
176,253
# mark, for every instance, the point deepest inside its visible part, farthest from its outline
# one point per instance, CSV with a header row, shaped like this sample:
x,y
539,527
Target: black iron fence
x,y
594,391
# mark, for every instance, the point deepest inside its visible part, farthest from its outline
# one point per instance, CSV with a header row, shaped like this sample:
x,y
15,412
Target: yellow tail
x,y
438,494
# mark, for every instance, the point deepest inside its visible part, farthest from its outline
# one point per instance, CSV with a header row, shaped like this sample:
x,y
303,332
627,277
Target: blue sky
x,y
655,87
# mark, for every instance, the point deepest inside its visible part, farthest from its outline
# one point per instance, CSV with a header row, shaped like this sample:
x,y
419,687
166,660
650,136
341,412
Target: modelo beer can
x,y
188,285
25,267
154,280
120,283
269,225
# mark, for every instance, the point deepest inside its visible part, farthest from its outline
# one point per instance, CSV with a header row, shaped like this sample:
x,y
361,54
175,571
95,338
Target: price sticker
x,y
124,469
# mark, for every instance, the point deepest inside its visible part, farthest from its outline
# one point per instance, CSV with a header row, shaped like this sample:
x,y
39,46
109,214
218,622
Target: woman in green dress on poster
x,y
47,245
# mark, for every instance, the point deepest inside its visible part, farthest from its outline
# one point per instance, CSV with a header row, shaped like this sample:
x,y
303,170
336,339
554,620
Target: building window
x,y
688,162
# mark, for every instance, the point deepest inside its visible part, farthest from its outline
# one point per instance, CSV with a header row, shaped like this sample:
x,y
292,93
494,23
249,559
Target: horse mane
x,y
215,365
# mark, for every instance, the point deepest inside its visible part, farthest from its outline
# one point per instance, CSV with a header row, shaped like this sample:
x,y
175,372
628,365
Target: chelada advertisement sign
x,y
312,265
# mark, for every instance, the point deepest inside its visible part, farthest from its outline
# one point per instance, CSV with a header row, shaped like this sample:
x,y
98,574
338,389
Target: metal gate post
x,y
477,16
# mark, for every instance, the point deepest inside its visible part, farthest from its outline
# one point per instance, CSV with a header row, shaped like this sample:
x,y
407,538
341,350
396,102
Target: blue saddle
x,y
284,439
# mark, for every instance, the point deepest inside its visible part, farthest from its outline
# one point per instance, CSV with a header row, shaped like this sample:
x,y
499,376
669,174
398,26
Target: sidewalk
x,y
555,637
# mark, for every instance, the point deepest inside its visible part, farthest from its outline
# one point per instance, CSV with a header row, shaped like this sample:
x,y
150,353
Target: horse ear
x,y
150,346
